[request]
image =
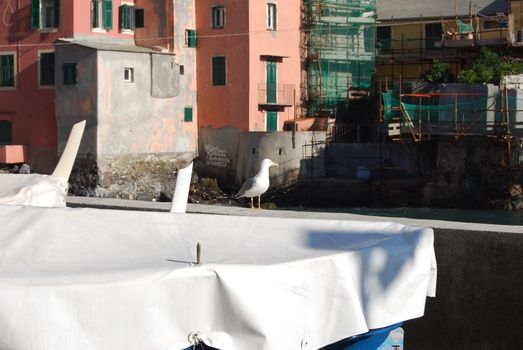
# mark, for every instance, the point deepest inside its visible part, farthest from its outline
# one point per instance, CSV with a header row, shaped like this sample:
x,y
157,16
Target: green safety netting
x,y
464,28
445,111
341,50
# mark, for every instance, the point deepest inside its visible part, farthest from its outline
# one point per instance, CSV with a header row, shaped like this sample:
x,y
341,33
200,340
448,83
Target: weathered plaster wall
x,y
232,156
133,142
130,120
77,102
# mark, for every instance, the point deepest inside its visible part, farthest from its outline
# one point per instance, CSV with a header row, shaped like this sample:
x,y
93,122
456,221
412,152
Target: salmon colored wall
x,y
220,106
82,20
243,40
283,42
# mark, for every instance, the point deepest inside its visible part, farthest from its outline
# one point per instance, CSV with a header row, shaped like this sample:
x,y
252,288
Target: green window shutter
x,y
187,115
124,16
108,14
190,37
35,14
218,71
56,13
7,71
271,82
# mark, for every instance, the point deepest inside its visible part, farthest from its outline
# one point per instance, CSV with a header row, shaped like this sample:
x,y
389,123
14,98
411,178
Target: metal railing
x,y
276,94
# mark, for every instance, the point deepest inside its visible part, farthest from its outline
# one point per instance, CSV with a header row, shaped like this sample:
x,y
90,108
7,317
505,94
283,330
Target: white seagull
x,y
258,184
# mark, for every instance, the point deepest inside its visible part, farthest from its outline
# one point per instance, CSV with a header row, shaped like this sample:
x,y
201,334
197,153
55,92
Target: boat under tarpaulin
x,y
108,279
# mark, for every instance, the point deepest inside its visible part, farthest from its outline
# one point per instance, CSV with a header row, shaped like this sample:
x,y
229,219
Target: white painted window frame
x,y
272,16
127,31
100,28
130,79
220,19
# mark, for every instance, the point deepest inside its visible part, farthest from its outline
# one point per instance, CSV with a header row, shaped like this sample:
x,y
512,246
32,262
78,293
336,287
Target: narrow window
x,y
127,17
6,132
46,68
190,38
45,14
219,76
7,70
187,114
69,71
271,16
182,69
139,21
128,75
102,14
218,17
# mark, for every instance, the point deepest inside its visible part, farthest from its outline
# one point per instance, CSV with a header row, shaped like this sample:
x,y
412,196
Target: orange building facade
x,y
248,63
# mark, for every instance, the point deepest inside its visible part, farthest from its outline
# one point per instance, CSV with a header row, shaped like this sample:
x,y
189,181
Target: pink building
x,y
28,29
248,63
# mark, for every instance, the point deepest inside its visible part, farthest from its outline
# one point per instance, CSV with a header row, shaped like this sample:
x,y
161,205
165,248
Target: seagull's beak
x,y
275,164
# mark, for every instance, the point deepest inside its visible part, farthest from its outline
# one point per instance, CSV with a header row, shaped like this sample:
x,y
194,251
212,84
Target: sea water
x,y
495,217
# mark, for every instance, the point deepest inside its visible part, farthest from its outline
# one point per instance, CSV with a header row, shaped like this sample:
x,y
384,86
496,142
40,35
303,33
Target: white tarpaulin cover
x,y
33,189
108,279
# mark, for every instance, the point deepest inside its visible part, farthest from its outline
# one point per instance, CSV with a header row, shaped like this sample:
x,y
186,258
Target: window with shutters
x,y
46,69
7,70
102,14
190,38
219,72
69,72
218,17
45,14
127,18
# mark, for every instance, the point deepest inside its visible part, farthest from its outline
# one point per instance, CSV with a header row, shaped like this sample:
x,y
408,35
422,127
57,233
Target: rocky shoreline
x,y
335,193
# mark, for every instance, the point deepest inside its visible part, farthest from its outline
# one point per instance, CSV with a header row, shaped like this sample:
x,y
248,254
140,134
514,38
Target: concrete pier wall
x,y
478,302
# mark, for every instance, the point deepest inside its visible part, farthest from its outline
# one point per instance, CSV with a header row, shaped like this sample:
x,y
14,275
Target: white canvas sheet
x,y
108,280
33,189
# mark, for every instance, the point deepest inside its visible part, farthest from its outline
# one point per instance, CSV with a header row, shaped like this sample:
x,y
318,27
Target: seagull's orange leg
x,y
259,207
252,204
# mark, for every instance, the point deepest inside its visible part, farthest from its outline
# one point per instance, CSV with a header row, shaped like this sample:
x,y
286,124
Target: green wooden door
x,y
272,121
271,82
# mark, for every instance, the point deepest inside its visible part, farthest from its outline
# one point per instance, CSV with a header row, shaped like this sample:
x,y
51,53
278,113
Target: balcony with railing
x,y
275,95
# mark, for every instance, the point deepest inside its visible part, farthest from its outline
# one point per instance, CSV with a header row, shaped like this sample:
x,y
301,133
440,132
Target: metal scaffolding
x,y
341,51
